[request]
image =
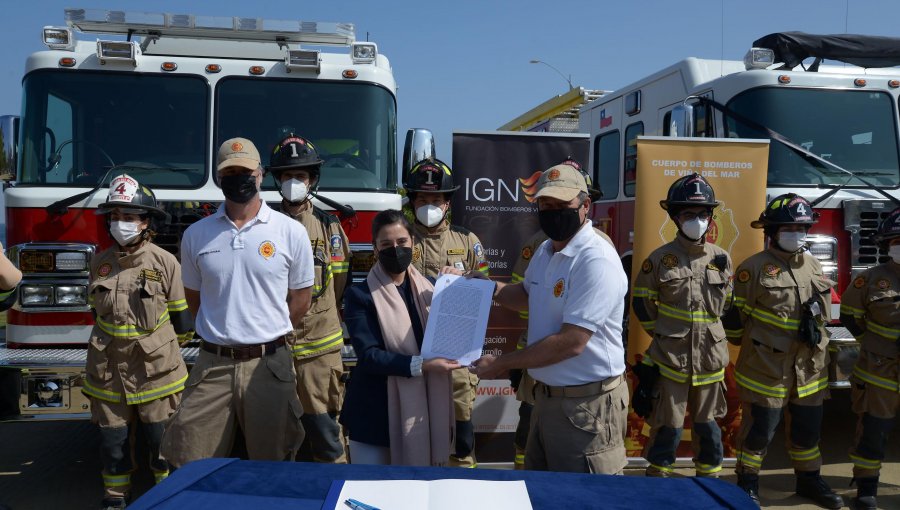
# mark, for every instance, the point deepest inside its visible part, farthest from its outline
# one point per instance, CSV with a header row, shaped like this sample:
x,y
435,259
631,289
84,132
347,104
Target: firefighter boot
x,y
112,504
810,484
154,432
866,490
749,482
115,454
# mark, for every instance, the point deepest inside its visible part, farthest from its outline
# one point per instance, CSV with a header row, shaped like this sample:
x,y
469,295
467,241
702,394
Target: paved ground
x,y
56,465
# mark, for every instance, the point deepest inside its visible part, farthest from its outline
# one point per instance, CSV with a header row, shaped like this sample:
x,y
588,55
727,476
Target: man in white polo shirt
x,y
248,274
574,291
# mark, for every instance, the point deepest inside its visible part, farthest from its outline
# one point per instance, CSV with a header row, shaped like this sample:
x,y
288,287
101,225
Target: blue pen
x,y
359,505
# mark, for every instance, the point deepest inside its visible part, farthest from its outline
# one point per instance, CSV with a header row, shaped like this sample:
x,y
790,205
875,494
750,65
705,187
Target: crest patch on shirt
x,y
417,254
859,283
559,288
527,253
267,249
479,250
336,242
151,274
771,270
104,270
457,251
743,276
883,284
647,266
669,260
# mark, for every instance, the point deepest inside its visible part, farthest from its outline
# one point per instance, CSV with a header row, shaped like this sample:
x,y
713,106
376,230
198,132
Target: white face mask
x,y
429,215
124,232
695,228
294,190
894,252
791,241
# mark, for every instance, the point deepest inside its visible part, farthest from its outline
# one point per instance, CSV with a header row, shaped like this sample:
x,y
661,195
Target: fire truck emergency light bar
x,y
99,21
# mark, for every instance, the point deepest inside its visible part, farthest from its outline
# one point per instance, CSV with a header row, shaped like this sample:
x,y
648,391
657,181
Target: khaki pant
x,y
259,395
321,392
579,434
875,400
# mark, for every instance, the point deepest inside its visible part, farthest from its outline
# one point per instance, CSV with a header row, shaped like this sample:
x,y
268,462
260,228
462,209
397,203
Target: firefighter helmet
x,y
889,227
689,191
430,176
594,193
294,152
787,209
127,193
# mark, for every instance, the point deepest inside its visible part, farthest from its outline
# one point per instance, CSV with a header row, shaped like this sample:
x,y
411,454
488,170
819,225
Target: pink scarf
x,y
420,409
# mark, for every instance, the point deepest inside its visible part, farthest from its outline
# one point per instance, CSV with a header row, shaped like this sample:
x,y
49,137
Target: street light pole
x,y
568,79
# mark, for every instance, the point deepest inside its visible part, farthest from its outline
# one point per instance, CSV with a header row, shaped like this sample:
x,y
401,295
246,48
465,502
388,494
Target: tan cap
x,y
238,152
562,182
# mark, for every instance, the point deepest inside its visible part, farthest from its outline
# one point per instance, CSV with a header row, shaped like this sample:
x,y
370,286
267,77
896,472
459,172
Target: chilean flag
x,y
604,120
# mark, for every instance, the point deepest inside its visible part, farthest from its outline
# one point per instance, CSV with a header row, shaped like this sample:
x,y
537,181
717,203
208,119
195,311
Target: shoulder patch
x,y
479,250
771,270
527,253
669,260
104,269
647,266
743,276
859,282
884,284
417,254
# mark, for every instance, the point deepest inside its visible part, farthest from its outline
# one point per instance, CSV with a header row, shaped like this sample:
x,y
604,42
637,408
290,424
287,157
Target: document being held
x,y
427,495
458,318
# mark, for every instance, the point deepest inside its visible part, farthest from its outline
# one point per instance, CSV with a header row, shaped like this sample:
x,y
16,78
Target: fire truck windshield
x,y
77,125
855,129
352,124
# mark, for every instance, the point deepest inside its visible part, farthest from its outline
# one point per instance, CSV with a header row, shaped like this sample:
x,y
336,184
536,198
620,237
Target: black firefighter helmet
x,y
127,193
889,228
689,191
294,152
787,209
430,176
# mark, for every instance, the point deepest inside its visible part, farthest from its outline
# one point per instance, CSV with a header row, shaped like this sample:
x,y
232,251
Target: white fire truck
x,y
154,95
842,120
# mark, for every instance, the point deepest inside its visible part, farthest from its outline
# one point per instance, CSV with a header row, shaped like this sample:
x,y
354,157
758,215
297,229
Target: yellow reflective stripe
x,y
185,337
329,275
520,458
774,320
849,310
523,315
486,271
516,278
762,389
159,476
672,374
5,294
644,292
664,469
687,315
734,333
177,305
873,379
156,393
340,267
749,459
865,463
812,388
320,345
739,301
648,325
812,453
647,360
714,377
116,480
883,331
129,330
93,391
707,469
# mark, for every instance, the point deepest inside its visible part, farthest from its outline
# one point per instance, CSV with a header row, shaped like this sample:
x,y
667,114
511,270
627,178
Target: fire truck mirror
x,y
9,133
681,122
419,145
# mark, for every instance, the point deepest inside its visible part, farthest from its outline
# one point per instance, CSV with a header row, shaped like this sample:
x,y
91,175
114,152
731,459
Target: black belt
x,y
244,352
581,390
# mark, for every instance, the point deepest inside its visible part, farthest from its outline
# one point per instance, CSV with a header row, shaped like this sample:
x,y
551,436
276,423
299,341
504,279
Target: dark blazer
x,y
365,412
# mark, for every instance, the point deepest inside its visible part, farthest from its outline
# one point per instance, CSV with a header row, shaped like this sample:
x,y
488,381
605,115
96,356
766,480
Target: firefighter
x,y
521,382
317,343
870,309
135,372
429,187
679,297
782,301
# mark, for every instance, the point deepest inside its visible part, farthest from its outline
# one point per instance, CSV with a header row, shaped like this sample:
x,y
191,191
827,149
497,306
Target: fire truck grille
x,y
181,216
861,220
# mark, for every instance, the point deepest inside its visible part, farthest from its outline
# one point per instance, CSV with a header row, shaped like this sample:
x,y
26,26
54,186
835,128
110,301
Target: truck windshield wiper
x,y
62,206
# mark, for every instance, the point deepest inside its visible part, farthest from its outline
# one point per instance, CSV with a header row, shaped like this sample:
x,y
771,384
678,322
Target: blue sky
x,y
464,64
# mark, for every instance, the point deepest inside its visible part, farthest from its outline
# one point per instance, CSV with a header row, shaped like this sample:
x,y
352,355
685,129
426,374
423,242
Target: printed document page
x,y
458,318
435,495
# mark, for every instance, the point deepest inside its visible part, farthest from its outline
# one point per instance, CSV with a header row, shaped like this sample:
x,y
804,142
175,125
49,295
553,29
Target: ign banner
x,y
736,169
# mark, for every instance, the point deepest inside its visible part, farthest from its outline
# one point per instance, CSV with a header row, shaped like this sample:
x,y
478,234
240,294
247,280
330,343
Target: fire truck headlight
x,y
364,52
36,295
759,58
71,295
57,38
822,247
71,261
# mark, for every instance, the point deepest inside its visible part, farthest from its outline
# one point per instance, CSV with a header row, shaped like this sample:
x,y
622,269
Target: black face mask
x,y
395,259
559,224
239,188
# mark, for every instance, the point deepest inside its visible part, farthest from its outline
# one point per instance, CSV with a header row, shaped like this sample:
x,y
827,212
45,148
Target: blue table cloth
x,y
223,484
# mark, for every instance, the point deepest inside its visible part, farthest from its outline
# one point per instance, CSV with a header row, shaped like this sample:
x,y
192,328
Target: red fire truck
x,y
153,95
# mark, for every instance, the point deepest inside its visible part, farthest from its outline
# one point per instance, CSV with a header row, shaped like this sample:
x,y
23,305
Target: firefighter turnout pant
x,y
118,423
875,400
525,395
705,403
464,386
321,393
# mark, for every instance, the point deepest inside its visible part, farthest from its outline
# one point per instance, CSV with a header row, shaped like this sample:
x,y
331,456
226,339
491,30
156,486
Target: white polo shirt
x,y
243,275
584,285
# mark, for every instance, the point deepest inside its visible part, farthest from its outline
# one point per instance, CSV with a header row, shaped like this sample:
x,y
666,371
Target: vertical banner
x,y
497,173
736,169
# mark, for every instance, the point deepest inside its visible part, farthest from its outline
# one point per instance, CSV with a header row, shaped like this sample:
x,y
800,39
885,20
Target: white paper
x,y
436,494
458,318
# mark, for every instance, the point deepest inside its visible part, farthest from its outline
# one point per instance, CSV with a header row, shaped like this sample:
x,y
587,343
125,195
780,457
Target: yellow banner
x,y
736,169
